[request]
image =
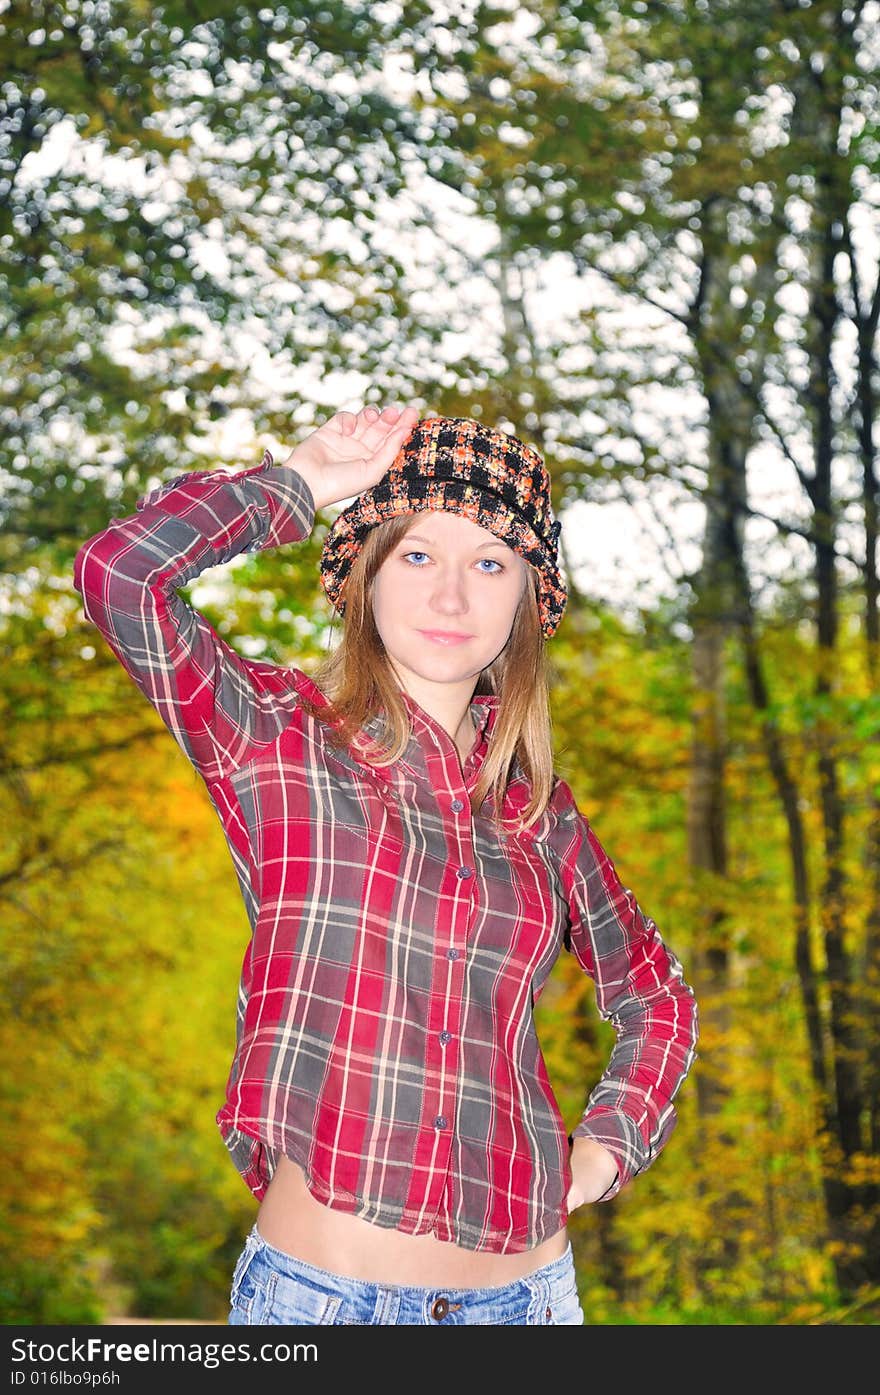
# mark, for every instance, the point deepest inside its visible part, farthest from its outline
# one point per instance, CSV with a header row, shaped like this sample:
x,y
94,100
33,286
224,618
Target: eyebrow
x,y
417,537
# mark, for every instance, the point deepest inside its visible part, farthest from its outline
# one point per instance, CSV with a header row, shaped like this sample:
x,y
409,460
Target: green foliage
x,y
247,212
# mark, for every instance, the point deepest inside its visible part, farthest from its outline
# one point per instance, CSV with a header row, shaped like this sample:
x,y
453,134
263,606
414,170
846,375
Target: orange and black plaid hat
x,y
459,466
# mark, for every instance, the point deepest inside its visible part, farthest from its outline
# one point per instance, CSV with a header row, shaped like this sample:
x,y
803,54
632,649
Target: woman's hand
x,y
593,1169
351,451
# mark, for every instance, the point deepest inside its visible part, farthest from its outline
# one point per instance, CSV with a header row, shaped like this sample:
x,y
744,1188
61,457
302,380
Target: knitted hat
x,y
459,466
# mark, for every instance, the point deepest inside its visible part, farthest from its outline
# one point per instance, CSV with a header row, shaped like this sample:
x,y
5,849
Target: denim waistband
x,y
549,1282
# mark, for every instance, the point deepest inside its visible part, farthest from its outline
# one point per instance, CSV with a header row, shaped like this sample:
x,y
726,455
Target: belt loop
x,y
387,1307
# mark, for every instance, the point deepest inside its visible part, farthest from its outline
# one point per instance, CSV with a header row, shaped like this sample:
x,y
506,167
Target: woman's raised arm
x,y
218,705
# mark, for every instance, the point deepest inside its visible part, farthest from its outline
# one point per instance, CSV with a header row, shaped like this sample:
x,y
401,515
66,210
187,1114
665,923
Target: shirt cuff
x,y
618,1133
291,501
275,500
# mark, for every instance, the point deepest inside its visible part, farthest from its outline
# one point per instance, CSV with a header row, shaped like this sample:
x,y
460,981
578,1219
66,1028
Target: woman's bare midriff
x,y
293,1221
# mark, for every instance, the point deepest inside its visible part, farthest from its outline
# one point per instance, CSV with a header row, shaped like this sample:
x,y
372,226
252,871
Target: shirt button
x,y
452,954
441,1121
464,872
457,806
445,1037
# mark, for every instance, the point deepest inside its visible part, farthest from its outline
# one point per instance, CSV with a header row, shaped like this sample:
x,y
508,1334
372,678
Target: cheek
x,y
507,608
391,601
502,603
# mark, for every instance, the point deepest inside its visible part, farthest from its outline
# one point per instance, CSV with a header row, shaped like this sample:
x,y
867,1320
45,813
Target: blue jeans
x,y
269,1286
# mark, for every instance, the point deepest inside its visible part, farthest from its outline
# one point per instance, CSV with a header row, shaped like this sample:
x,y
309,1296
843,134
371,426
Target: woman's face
x,y
444,600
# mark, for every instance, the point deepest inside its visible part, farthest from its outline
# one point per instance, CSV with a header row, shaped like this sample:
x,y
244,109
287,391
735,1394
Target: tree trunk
x,y
818,119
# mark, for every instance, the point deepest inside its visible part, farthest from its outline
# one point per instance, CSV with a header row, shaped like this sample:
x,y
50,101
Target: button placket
x,y
460,834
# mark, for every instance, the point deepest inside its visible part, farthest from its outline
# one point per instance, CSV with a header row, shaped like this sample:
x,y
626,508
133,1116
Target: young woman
x,y
411,868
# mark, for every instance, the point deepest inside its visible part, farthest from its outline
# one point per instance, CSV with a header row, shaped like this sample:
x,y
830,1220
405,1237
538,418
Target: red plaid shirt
x,y
385,1036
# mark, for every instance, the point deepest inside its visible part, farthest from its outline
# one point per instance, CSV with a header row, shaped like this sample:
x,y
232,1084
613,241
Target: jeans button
x,y
439,1308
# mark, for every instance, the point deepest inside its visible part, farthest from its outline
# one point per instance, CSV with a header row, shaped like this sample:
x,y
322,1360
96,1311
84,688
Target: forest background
x,y
643,237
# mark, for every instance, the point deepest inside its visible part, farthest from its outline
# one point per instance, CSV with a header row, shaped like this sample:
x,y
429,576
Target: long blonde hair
x,y
360,684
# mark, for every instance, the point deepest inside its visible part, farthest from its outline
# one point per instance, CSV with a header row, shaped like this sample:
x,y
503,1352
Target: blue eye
x,y
487,565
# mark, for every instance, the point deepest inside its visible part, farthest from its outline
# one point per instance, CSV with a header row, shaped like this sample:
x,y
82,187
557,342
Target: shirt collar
x,y
483,709
429,739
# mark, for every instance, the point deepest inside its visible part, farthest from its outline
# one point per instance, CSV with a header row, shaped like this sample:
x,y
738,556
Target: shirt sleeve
x,y
219,706
640,989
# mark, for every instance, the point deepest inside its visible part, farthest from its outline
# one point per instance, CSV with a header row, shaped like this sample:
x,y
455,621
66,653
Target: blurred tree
x,y
716,187
381,200
169,185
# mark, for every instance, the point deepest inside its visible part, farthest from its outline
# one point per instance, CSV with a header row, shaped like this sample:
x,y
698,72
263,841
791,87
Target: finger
x,y
397,434
383,433
346,422
369,425
408,420
397,421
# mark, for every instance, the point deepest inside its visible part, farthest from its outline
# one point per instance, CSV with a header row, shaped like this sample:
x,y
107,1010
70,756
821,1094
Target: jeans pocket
x,y
244,1288
241,1265
296,1302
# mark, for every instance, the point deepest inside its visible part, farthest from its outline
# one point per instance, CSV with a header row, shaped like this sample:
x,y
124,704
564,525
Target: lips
x,y
445,636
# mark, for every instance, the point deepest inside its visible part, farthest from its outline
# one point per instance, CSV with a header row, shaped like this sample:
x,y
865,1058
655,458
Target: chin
x,y
444,673
442,666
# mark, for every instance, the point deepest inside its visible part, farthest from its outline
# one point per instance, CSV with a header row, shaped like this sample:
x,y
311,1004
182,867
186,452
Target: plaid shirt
x,y
385,1036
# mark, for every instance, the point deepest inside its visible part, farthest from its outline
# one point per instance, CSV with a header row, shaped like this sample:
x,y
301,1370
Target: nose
x,y
449,596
